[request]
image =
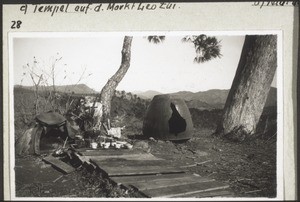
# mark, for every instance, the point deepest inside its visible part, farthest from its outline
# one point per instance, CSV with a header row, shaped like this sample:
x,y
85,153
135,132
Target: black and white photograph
x,y
150,101
146,115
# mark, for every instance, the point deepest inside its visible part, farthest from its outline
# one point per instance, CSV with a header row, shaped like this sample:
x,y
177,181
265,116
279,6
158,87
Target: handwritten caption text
x,y
96,8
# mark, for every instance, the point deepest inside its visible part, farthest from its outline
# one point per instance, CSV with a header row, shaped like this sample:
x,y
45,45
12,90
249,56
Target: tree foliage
x,y
156,39
207,47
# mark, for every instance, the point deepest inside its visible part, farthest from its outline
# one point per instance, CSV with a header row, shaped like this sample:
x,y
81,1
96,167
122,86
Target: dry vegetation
x,y
248,167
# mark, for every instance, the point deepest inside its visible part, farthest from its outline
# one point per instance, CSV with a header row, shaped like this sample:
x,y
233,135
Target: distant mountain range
x,y
77,89
211,99
149,94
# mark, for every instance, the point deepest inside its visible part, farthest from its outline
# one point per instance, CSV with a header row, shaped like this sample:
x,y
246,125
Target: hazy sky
x,y
166,67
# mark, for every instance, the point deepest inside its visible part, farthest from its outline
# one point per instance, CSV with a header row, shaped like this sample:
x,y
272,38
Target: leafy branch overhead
x,y
156,39
207,48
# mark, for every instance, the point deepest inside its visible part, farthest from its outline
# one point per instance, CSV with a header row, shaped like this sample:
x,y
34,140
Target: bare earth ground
x,y
249,168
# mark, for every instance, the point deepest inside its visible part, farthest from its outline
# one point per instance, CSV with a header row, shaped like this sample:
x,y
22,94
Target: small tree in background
x,y
44,77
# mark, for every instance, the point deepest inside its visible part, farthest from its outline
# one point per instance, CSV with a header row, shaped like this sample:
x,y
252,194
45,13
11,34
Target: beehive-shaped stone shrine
x,y
168,118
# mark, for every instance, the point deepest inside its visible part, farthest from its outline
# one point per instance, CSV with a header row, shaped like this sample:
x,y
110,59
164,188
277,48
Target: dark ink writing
x,y
87,8
143,6
276,3
98,8
126,6
167,6
16,24
82,9
50,9
24,8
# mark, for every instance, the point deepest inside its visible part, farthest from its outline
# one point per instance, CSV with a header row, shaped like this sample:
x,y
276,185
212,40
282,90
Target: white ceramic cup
x,y
106,145
129,146
94,145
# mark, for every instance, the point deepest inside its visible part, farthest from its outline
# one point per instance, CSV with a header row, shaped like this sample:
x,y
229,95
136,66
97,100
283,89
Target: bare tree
x,y
44,78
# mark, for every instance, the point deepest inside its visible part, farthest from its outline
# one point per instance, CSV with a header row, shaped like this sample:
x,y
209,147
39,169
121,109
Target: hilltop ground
x,y
248,167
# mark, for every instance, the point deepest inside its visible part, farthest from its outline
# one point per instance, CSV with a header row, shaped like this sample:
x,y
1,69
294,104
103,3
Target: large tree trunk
x,y
108,90
250,87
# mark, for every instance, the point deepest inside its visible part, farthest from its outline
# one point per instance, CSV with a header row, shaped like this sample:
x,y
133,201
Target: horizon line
x,y
140,91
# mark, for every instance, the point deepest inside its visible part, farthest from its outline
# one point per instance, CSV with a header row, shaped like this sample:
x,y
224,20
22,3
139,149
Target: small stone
x,y
141,145
200,153
45,166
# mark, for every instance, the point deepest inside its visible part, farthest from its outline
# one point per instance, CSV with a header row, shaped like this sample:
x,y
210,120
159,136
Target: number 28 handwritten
x,y
16,24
